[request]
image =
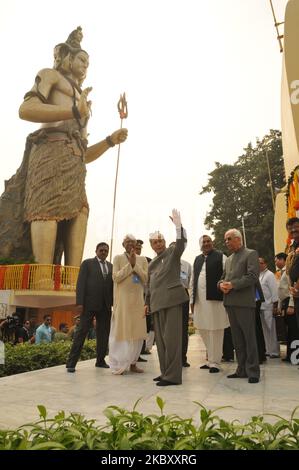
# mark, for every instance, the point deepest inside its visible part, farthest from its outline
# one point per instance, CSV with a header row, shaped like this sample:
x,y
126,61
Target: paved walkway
x,y
90,390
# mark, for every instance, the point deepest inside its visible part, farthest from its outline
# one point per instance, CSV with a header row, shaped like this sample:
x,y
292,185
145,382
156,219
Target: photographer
x,y
2,326
9,328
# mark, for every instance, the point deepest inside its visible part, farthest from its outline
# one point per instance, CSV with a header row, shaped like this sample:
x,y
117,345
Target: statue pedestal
x,y
36,286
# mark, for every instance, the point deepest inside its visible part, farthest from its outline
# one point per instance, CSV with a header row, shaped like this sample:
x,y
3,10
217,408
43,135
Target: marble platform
x,y
90,390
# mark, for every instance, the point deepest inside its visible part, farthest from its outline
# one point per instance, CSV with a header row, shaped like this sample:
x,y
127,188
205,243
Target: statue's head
x,y
65,52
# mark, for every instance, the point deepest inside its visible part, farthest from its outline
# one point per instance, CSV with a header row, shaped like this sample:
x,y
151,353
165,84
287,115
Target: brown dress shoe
x,y
134,368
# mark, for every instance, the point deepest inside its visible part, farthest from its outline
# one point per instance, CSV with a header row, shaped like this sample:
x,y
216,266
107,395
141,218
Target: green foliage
x,y
26,357
191,330
243,189
131,430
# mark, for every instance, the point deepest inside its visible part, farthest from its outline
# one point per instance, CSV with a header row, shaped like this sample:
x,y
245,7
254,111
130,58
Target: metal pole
x,y
270,181
122,107
243,230
279,36
114,197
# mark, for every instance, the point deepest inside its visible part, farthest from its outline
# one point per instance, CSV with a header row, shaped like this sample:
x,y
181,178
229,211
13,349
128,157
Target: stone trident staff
x,y
122,107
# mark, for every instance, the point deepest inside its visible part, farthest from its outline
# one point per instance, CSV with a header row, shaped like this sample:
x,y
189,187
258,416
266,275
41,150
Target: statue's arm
x,y
35,107
95,151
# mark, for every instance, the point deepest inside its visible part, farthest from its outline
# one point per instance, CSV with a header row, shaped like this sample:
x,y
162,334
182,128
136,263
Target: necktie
x,y
104,269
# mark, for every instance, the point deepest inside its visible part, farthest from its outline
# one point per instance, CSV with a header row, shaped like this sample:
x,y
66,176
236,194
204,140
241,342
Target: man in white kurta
x,y
128,324
269,309
209,315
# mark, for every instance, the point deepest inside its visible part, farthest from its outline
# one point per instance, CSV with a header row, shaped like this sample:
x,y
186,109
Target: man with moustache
x,y
206,301
94,296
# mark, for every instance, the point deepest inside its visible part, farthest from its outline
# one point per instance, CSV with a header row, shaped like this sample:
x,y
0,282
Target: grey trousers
x,y
168,334
242,322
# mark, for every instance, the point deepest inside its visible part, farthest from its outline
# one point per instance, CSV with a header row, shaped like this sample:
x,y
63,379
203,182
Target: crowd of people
x,y
13,331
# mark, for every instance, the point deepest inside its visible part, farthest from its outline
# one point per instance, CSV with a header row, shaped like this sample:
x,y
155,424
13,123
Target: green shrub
x,y
131,430
191,330
26,357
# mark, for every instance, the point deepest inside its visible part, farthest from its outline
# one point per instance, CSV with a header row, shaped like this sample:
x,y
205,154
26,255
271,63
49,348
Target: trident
x,y
122,107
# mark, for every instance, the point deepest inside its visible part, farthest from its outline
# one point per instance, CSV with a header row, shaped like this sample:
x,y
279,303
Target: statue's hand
x,y
84,105
118,137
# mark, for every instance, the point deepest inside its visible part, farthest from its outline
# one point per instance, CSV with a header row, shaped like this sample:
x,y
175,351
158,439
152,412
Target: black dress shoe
x,y
205,366
214,370
140,359
236,376
102,364
164,383
253,380
157,379
186,364
71,369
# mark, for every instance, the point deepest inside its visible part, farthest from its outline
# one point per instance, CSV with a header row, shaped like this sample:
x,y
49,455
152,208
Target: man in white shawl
x,y
206,301
128,324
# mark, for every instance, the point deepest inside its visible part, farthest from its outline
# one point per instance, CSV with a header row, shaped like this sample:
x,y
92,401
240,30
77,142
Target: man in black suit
x,y
94,297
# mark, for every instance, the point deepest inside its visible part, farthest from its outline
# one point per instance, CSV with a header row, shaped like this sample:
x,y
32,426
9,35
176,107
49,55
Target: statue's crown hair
x,y
75,38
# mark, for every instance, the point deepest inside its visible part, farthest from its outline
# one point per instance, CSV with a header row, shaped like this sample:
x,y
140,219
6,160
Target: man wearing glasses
x,y
238,284
23,334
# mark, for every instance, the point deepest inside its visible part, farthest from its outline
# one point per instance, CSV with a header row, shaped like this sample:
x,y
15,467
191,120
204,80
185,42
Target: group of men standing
x,y
223,293
136,289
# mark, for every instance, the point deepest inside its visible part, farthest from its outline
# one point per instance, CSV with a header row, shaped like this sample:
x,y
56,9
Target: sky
x,y
202,80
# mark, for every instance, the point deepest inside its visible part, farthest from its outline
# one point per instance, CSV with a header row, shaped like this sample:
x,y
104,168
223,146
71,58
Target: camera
x,y
12,321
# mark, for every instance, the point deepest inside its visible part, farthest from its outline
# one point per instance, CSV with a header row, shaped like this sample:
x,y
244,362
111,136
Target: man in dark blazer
x,y
238,284
94,298
165,297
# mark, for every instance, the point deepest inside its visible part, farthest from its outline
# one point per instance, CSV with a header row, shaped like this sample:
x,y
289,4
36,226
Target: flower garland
x,y
292,194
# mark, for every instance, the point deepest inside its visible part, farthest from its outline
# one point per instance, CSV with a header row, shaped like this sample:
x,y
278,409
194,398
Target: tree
x,y
244,190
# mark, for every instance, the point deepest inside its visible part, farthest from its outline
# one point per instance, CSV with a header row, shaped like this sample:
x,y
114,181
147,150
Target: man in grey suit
x,y
94,298
165,297
238,284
